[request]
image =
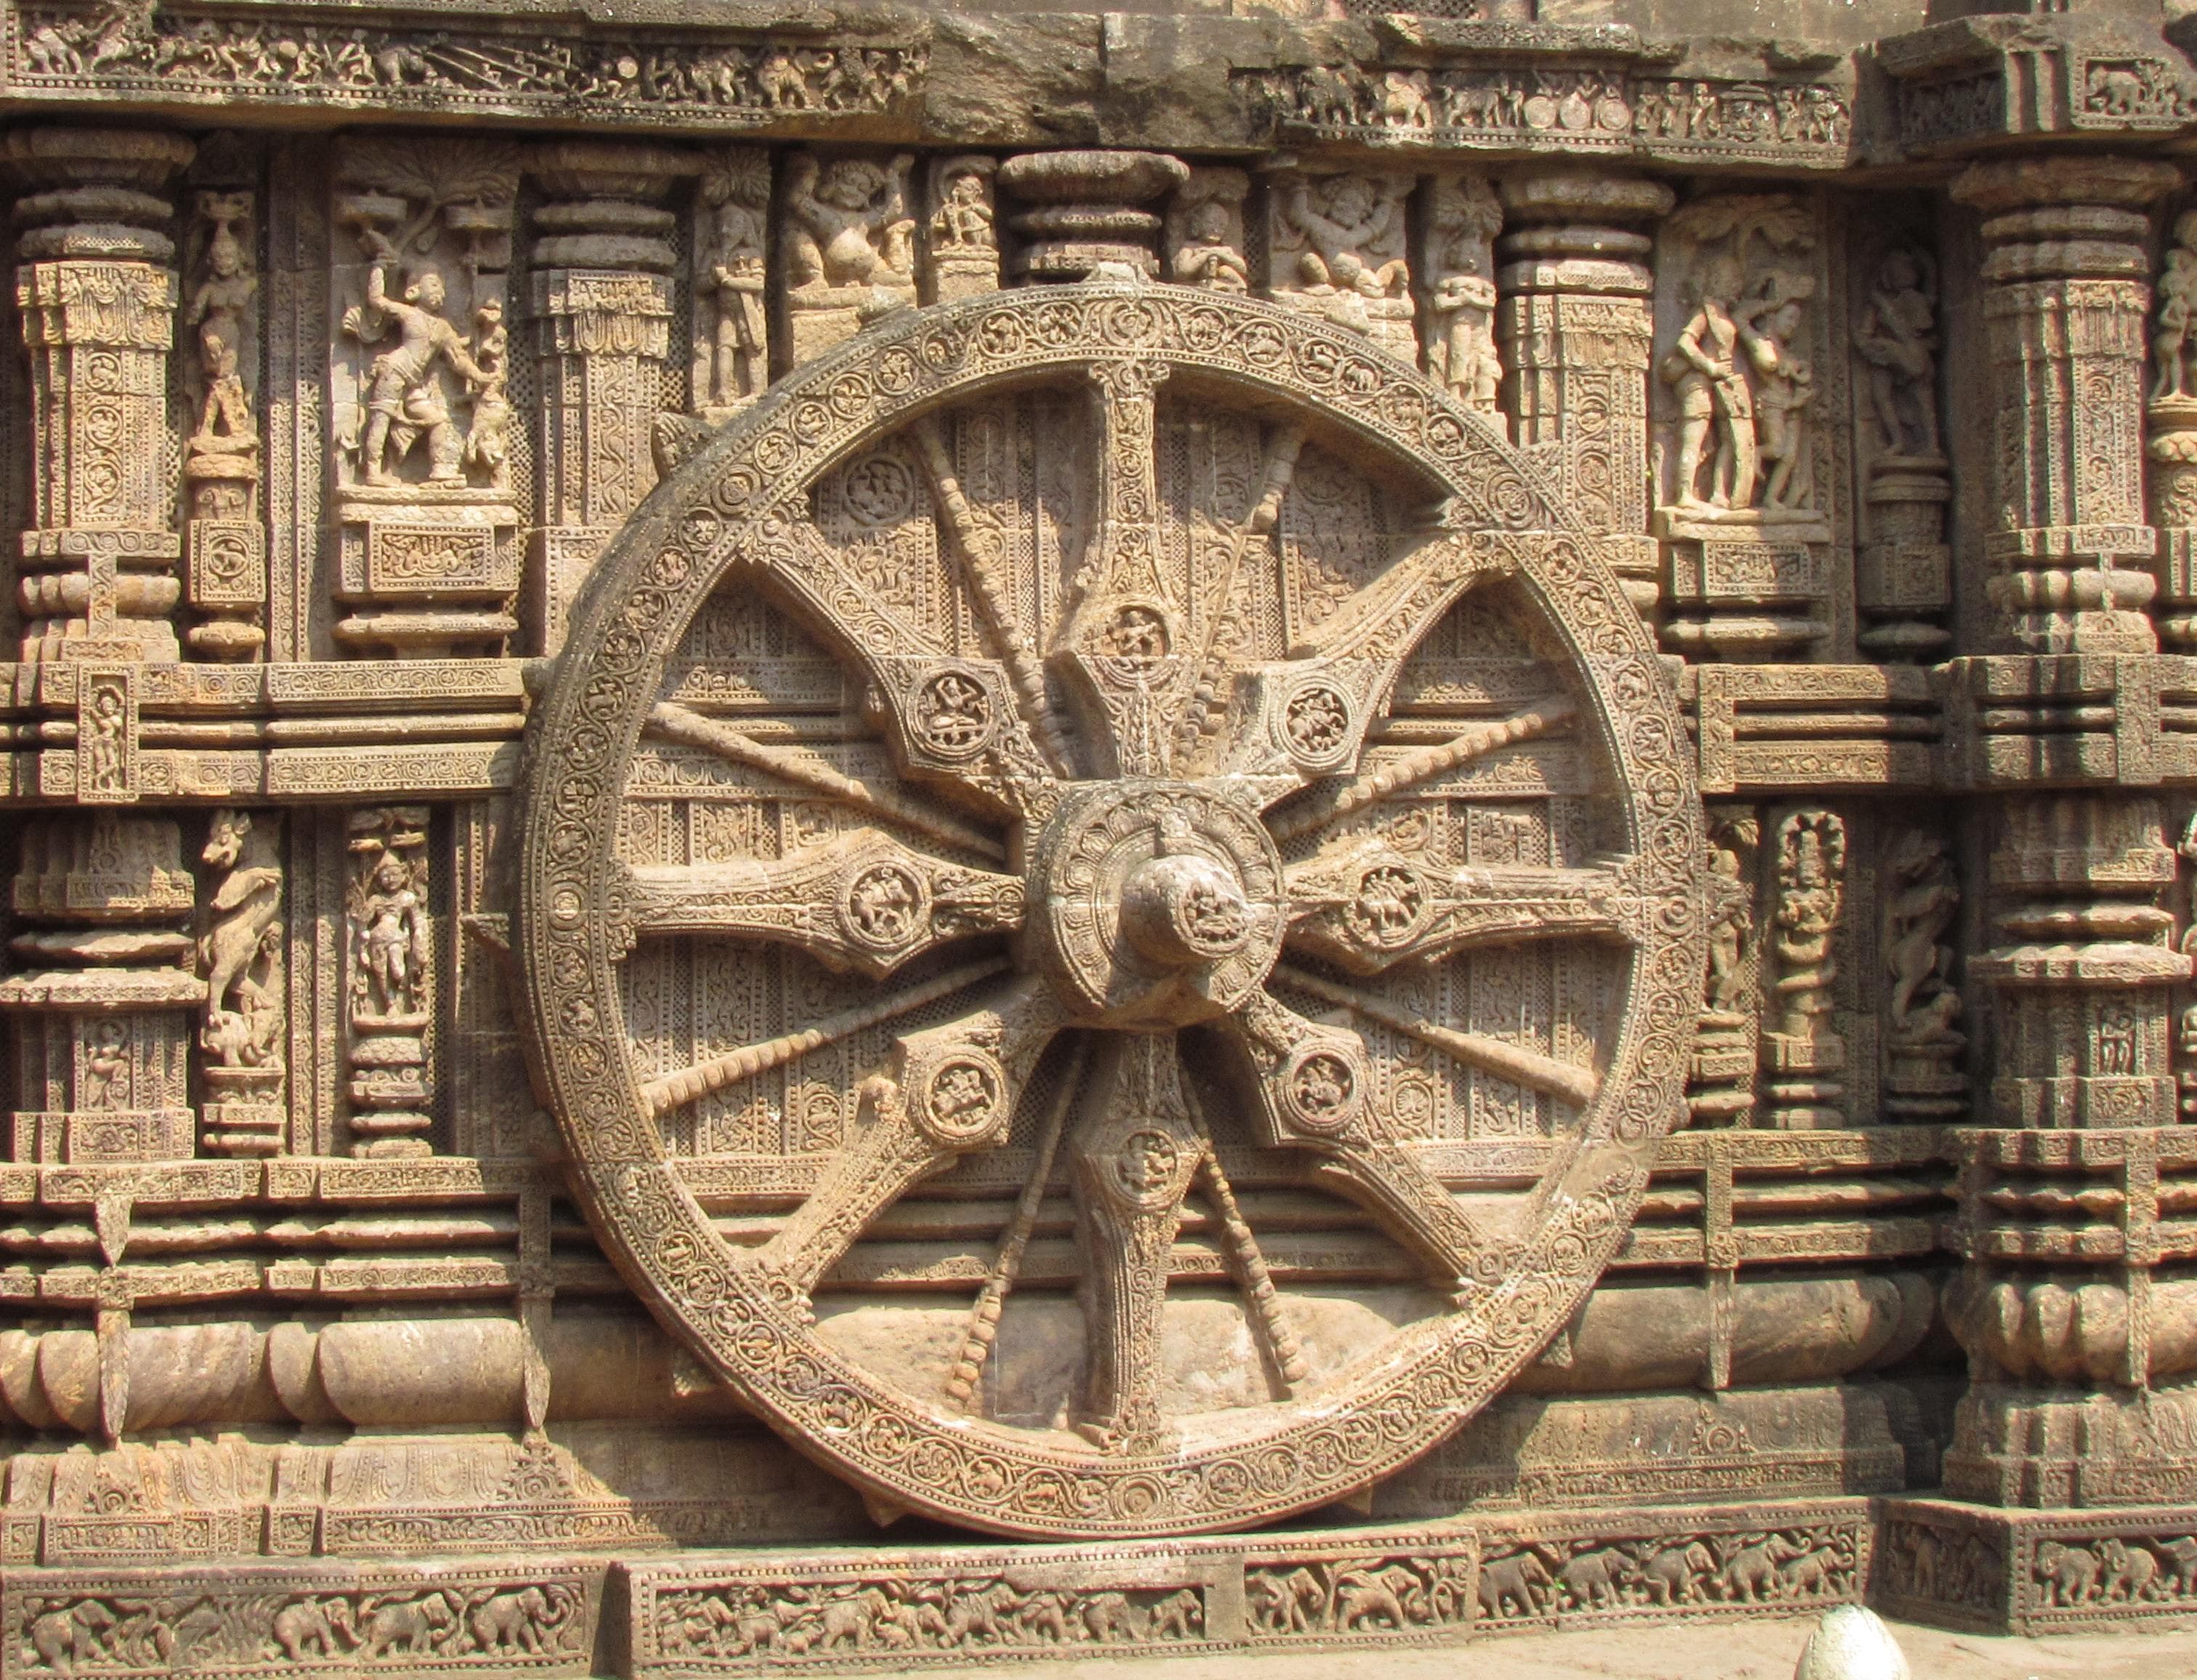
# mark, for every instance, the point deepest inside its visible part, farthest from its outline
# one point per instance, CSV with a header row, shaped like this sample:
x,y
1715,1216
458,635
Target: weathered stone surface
x,y
1096,778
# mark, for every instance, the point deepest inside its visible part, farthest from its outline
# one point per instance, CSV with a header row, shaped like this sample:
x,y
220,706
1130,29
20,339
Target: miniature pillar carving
x,y
1576,336
103,1021
389,960
97,295
1723,1073
602,297
960,241
1086,211
1903,569
2064,306
1922,1078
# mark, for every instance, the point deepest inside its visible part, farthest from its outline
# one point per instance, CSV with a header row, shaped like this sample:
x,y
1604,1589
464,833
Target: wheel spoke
x,y
1397,775
1515,1063
951,1089
1315,1095
984,1326
1135,1151
691,729
1307,716
691,1085
863,901
1248,1266
1366,907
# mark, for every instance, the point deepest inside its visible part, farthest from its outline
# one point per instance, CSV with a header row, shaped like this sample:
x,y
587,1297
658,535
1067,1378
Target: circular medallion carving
x,y
1146,891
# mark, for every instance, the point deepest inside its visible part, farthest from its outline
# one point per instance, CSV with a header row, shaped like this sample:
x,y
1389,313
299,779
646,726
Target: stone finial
x,y
1851,1644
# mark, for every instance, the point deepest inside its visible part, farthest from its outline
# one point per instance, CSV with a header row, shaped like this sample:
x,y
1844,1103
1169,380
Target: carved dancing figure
x,y
218,308
390,939
1344,235
1923,902
1897,338
849,228
1704,372
108,746
1728,933
405,400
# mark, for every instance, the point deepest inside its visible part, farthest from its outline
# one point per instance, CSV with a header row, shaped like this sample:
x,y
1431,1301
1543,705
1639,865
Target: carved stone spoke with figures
x,y
1243,810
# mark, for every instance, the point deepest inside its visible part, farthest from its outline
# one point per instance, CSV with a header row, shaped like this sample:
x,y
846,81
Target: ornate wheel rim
x,y
1148,827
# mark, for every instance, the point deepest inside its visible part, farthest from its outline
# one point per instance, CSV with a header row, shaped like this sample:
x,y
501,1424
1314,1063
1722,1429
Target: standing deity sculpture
x,y
488,438
1460,269
1716,403
1785,385
2177,291
1897,339
733,365
1803,1054
219,302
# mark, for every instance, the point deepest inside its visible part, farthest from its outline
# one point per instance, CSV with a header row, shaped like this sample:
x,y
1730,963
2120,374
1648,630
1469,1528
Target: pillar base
x,y
1993,1571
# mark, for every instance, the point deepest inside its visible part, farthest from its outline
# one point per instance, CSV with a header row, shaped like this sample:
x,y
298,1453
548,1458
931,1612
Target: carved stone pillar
x,y
2059,1332
1086,209
1576,334
602,299
2065,303
103,1015
97,295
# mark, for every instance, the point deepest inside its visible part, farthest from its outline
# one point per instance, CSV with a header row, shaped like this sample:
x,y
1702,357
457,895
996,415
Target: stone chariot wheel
x,y
1109,911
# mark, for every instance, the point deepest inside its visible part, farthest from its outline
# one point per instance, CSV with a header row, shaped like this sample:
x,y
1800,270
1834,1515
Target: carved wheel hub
x,y
1252,851
1163,904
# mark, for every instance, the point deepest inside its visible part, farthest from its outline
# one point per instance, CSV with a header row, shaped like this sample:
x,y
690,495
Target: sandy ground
x,y
1763,1650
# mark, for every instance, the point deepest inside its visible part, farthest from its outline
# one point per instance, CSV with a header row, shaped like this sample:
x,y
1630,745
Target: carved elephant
x,y
70,1634
1750,1574
1044,1615
1590,1580
849,1621
1113,1619
974,1616
513,1621
1675,1575
408,1625
1362,1597
2180,1556
1811,1573
2069,1573
2117,93
2127,1571
314,1626
1510,1586
1178,1616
